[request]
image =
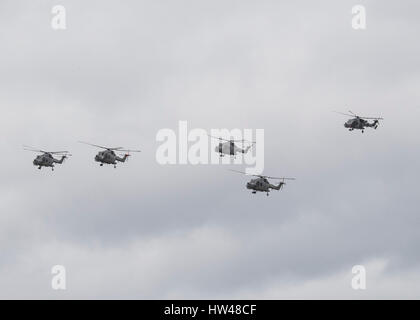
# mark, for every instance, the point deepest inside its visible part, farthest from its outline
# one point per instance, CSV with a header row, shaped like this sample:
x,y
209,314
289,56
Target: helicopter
x,y
359,122
108,156
228,147
262,184
46,159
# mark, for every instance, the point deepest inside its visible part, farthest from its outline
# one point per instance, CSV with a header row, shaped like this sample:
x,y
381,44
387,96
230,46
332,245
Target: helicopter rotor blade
x,y
238,171
127,150
43,151
243,140
352,114
371,118
232,140
218,138
253,175
367,118
38,151
98,146
261,176
33,149
93,145
345,114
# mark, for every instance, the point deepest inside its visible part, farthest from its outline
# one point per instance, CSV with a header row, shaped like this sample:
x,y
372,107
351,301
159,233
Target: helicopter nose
x,y
248,186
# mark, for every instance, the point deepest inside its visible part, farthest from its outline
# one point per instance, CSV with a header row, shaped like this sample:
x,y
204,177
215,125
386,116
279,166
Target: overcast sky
x,y
123,70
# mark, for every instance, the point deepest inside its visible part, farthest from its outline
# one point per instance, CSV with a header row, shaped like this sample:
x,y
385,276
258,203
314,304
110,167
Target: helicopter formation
x,y
108,156
261,184
225,148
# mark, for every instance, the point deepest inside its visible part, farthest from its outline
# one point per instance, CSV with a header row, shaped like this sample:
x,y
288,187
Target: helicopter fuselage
x,y
47,160
262,185
360,124
109,157
229,148
259,184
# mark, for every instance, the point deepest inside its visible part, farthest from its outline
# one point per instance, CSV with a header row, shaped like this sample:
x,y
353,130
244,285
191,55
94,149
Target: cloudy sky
x,y
121,71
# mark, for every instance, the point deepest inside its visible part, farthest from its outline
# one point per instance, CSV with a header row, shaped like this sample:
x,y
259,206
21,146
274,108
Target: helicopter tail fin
x,y
123,159
246,149
278,187
61,160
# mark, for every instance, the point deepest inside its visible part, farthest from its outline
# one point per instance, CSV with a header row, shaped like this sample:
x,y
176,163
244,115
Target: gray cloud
x,y
120,72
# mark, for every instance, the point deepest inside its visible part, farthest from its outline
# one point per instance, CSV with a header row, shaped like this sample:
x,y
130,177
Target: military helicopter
x,y
46,159
228,147
108,156
262,184
359,122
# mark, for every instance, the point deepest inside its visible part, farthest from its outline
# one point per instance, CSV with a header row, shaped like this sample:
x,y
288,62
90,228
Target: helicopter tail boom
x,y
278,187
246,149
123,159
61,160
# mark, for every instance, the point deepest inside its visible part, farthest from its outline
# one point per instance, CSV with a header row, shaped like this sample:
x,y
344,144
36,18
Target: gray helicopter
x,y
359,122
228,147
46,159
262,184
108,156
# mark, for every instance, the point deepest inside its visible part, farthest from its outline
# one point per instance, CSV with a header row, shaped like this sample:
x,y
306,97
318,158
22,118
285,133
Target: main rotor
x,y
119,149
352,114
262,176
232,140
63,153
